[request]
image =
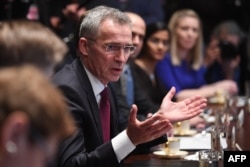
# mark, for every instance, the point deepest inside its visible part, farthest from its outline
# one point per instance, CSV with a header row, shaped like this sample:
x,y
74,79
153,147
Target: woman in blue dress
x,y
156,44
182,67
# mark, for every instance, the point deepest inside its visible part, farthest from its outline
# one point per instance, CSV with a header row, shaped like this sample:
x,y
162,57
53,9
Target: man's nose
x,y
122,55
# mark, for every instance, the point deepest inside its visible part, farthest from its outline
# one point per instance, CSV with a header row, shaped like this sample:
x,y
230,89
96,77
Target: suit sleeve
x,y
84,148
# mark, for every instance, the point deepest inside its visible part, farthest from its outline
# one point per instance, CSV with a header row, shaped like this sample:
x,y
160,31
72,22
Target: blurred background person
x,y
126,86
223,58
127,80
156,44
182,66
31,124
212,12
35,10
143,94
27,42
127,91
138,32
71,10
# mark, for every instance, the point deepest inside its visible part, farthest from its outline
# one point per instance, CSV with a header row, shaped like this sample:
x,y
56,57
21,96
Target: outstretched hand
x,y
182,110
144,131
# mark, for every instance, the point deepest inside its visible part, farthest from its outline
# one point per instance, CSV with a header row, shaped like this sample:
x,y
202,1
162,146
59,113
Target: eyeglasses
x,y
115,48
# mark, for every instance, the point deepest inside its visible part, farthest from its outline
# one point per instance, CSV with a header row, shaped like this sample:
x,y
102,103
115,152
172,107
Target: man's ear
x,y
83,47
15,128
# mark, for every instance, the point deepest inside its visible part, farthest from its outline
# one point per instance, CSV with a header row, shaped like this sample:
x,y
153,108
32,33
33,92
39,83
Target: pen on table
x,y
238,147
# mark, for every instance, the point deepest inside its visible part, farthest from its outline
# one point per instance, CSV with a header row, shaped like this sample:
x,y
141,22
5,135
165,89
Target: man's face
x,y
109,51
138,33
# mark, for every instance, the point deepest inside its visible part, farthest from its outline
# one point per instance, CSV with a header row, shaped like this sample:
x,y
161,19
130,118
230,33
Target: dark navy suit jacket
x,y
86,148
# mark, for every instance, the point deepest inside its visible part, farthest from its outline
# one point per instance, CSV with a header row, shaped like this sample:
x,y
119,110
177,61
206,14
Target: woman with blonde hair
x,y
195,52
182,66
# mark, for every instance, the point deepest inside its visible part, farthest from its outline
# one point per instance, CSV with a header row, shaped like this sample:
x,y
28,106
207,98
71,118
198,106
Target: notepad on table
x,y
199,142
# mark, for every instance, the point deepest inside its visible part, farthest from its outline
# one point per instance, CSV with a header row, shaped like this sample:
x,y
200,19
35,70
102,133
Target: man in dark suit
x,y
105,43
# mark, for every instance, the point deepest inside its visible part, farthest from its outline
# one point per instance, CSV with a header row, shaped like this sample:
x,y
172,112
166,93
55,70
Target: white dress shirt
x,y
121,143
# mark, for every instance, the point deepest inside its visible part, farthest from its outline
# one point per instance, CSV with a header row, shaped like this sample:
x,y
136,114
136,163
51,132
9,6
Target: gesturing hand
x,y
182,110
147,130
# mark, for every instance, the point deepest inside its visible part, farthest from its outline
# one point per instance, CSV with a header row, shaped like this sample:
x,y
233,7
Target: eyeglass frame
x,y
116,47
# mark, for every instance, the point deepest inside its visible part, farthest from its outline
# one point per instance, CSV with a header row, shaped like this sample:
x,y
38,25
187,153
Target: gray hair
x,y
93,18
228,27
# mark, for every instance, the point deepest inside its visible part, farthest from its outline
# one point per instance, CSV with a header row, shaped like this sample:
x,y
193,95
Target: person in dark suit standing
x,y
105,43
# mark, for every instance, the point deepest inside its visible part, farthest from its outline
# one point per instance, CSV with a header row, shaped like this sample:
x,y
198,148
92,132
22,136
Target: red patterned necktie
x,y
105,114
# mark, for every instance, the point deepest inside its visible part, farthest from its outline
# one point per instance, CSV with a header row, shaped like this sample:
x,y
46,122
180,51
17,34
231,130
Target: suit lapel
x,y
90,94
114,116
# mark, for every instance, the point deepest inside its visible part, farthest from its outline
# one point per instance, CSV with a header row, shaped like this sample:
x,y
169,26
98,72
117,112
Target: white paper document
x,y
199,142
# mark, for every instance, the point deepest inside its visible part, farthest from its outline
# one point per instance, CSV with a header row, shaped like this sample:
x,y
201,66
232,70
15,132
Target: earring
x,y
11,147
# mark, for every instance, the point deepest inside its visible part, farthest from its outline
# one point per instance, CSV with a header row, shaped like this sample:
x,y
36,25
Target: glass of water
x,y
208,158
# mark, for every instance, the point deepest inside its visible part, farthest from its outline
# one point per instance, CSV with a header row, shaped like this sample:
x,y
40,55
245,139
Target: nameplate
x,y
236,158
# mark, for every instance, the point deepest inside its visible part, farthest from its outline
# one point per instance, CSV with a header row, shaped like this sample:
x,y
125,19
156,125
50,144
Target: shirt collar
x,y
96,84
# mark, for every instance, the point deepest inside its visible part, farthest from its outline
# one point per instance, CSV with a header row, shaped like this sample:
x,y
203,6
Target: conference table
x,y
242,139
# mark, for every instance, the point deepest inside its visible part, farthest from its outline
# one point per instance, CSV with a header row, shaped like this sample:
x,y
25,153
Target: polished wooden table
x,y
149,160
164,163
